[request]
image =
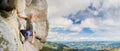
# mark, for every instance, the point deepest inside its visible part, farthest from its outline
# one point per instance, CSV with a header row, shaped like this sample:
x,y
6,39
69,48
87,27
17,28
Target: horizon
x,y
85,41
88,20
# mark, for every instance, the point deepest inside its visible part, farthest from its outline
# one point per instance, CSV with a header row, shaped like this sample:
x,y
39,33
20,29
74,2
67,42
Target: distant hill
x,y
82,46
51,46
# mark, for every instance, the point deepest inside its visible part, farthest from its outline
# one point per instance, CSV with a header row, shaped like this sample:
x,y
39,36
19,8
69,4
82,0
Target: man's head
x,y
31,17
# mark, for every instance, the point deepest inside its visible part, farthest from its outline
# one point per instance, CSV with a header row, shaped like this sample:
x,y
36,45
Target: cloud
x,y
63,7
101,16
59,22
54,36
111,3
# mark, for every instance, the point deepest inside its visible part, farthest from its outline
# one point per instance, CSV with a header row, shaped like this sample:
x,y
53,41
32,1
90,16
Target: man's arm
x,y
33,38
20,16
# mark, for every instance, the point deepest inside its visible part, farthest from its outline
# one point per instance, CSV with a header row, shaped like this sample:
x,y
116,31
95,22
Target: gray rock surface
x,y
10,25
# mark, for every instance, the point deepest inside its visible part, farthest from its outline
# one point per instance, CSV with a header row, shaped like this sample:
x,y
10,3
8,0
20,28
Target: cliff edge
x,y
10,24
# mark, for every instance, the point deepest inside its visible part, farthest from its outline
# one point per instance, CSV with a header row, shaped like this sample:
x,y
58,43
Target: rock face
x,y
10,24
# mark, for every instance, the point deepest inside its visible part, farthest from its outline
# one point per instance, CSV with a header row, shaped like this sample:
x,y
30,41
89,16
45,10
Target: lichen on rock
x,y
3,44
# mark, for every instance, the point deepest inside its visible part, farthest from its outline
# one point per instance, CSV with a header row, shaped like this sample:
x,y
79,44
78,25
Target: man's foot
x,y
30,42
42,41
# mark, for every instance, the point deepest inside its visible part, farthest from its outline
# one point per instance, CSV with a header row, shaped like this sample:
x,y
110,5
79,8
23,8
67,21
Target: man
x,y
29,24
28,31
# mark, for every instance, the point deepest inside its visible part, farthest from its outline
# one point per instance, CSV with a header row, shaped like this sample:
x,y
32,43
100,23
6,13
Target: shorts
x,y
26,33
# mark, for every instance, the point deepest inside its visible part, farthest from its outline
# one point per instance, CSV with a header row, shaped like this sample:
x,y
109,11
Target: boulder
x,y
10,25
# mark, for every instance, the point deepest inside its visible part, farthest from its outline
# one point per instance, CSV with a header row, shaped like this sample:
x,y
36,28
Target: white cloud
x,y
77,28
104,28
54,36
59,22
111,3
63,7
87,23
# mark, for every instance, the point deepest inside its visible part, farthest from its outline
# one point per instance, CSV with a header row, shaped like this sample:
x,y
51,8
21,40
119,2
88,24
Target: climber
x,y
29,25
29,28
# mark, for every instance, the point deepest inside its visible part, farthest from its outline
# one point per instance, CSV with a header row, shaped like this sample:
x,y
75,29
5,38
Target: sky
x,y
84,20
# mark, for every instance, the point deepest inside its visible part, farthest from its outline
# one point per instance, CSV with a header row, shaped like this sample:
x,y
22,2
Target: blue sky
x,y
84,20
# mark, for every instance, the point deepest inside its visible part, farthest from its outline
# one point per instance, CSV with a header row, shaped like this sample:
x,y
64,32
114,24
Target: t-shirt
x,y
29,25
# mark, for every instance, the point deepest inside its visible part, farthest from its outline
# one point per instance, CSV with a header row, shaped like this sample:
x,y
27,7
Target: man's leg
x,y
40,39
24,33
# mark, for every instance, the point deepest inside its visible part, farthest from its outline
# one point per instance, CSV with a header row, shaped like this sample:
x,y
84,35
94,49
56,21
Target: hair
x,y
30,17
